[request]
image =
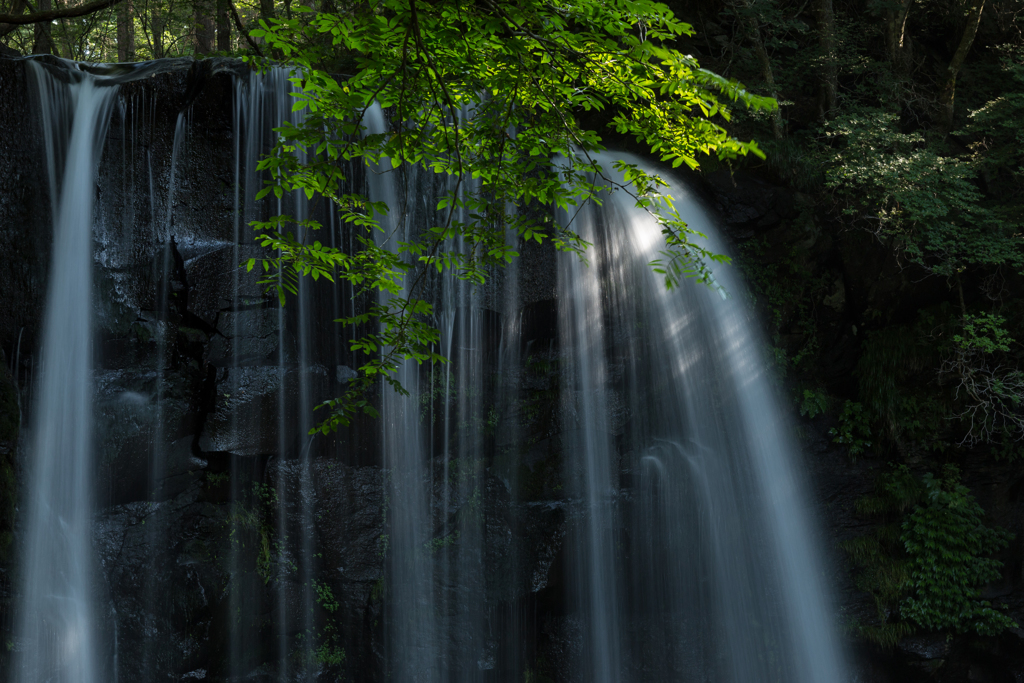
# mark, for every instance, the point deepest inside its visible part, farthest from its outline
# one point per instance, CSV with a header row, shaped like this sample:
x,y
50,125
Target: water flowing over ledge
x,y
602,472
56,625
719,578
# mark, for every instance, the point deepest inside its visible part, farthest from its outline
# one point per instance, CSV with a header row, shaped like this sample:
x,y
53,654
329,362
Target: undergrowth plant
x,y
328,650
901,396
813,402
989,386
853,430
949,550
927,558
254,523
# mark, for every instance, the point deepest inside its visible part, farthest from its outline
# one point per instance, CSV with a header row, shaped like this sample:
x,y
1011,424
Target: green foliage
x,y
854,429
325,596
983,333
813,403
254,523
909,414
889,356
326,647
453,79
927,557
788,288
216,479
943,381
989,387
330,654
903,189
995,138
948,546
442,542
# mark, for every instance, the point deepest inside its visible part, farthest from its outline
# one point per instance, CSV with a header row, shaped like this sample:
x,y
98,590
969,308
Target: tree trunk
x,y
829,70
125,32
895,32
946,95
43,42
157,24
267,9
69,48
754,34
205,29
223,26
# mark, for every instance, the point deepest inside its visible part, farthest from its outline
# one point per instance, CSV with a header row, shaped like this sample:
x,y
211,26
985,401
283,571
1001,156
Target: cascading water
x,y
457,543
591,467
57,628
689,551
263,102
694,559
433,452
412,638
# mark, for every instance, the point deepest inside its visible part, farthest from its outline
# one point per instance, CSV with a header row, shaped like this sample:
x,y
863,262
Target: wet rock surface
x,y
25,217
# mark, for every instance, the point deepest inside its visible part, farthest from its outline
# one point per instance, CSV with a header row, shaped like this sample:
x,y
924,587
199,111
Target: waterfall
x,y
432,444
592,471
457,542
680,548
57,628
412,637
263,102
694,556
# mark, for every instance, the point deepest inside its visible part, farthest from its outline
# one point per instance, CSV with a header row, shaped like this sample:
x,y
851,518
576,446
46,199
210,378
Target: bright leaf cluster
x,y
486,94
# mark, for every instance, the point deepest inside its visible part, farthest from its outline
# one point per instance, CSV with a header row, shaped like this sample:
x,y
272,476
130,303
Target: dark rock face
x,y
164,604
25,217
350,510
10,418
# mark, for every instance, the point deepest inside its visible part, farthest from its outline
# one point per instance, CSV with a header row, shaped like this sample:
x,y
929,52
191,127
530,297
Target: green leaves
x,y
928,565
813,403
853,430
983,333
901,188
948,546
484,95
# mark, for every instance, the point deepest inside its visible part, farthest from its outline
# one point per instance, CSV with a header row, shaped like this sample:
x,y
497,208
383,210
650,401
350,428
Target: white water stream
x,y
707,570
57,625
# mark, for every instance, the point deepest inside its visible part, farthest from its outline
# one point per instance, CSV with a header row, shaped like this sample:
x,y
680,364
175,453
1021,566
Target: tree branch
x,y
50,15
949,88
241,29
